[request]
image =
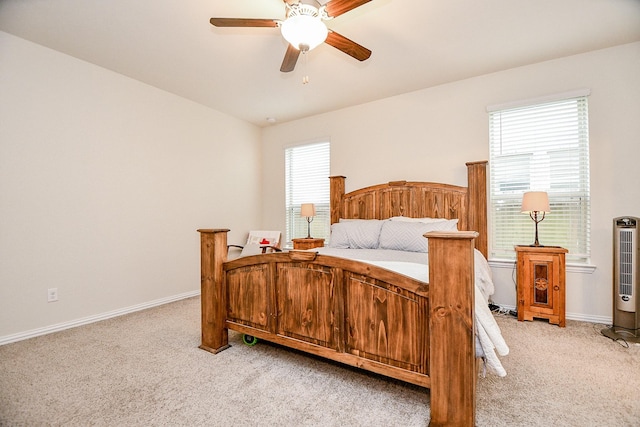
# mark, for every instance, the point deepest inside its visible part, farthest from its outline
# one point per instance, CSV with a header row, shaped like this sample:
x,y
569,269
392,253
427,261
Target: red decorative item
x,y
264,241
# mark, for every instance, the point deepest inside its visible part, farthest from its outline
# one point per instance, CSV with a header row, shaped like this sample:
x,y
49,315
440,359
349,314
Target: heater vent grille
x,y
626,263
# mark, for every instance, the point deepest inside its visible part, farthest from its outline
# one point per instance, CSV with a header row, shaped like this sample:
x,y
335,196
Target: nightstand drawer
x,y
307,243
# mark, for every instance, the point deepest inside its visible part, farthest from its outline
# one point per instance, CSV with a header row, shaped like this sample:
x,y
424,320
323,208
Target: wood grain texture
x,y
307,243
360,314
419,200
306,303
336,192
243,22
355,313
338,7
452,323
548,262
347,46
477,199
385,323
290,59
213,254
248,299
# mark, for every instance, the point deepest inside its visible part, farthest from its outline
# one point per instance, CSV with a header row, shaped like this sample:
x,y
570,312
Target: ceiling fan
x,y
304,29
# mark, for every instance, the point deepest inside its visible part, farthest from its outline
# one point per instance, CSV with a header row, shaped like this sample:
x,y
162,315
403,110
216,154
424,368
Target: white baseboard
x,y
602,320
96,318
7,339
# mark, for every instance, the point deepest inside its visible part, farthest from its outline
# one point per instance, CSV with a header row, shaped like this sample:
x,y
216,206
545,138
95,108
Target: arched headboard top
x,y
418,200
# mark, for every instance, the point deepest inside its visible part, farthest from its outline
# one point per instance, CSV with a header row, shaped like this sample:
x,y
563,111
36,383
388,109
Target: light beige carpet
x,y
145,369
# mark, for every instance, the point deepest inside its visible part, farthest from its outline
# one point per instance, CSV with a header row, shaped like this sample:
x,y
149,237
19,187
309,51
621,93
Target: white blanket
x,y
416,265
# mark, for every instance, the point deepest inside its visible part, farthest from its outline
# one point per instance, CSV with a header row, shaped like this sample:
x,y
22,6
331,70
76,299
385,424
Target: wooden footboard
x,y
354,313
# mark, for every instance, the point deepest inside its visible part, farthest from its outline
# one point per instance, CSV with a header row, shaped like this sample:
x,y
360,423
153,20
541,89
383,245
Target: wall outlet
x,y
52,294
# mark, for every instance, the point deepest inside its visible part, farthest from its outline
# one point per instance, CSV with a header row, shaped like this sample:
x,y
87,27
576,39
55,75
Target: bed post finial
x,y
336,186
477,203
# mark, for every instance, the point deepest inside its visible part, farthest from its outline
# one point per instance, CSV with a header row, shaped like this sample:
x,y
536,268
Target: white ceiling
x,y
416,44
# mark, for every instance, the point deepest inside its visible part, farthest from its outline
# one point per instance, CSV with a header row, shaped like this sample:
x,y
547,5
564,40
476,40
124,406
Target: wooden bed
x,y
359,314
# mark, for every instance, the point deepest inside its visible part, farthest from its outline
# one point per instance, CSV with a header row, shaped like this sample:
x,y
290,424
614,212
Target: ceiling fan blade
x,y
349,47
243,22
290,59
338,7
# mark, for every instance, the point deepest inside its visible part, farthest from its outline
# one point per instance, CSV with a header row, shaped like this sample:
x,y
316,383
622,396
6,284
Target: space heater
x,y
626,280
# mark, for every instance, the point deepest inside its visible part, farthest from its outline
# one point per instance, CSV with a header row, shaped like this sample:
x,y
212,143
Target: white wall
x,y
430,134
103,183
104,180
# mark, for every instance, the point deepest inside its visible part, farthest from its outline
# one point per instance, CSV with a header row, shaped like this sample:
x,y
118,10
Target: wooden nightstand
x,y
541,283
307,243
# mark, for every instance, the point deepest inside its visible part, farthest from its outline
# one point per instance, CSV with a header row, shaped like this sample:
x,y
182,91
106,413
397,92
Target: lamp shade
x,y
307,210
535,201
304,32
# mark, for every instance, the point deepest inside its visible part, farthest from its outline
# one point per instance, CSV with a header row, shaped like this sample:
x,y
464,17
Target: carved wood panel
x,y
306,303
384,323
395,202
360,206
248,301
408,199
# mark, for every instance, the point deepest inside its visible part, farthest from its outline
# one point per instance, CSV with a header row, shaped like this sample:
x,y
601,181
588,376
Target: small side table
x,y
541,283
307,243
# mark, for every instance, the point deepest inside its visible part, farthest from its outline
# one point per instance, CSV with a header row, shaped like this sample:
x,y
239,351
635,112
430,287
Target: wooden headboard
x,y
419,200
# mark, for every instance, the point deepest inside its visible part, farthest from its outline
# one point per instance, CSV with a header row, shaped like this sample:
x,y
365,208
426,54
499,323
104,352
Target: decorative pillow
x,y
409,235
356,234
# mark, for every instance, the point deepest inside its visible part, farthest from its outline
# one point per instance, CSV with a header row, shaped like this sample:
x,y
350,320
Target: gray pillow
x,y
356,234
409,236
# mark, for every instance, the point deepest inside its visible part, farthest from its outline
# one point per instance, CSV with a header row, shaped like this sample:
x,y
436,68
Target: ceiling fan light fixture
x,y
304,28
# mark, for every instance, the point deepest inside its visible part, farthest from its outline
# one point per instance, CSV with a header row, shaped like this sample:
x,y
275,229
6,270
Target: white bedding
x,y
416,265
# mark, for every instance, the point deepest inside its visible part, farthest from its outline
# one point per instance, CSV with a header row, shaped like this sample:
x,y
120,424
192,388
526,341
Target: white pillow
x,y
409,235
362,234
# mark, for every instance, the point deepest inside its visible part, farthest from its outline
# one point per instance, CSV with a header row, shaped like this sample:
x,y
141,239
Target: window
x,y
541,147
307,181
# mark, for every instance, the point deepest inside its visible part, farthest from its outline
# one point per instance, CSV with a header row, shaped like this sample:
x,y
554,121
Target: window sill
x,y
571,267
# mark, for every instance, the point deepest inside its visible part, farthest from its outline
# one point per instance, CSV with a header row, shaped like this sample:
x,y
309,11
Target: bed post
x,y
213,253
477,200
452,366
336,186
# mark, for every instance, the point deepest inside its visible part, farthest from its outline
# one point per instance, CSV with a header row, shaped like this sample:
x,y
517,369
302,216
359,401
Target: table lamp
x,y
534,202
308,210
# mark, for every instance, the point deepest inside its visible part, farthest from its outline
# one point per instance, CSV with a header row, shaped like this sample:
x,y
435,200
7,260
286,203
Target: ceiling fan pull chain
x,y
305,78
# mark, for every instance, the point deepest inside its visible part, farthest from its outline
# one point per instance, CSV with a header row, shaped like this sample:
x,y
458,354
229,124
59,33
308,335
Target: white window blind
x,y
307,181
542,147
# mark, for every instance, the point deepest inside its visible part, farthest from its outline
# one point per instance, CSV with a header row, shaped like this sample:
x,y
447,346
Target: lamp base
x,y
309,219
534,217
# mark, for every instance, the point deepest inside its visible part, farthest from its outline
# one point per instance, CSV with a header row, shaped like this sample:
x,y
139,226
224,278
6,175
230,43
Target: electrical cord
x,y
624,343
496,309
